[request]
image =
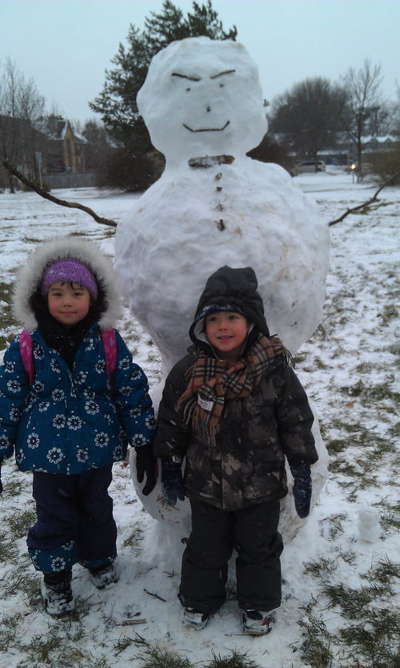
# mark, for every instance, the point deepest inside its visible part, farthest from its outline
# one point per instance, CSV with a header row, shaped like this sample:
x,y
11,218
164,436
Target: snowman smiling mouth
x,y
207,129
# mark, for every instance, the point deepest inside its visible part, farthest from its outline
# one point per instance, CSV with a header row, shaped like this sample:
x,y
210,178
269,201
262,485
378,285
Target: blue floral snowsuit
x,y
68,427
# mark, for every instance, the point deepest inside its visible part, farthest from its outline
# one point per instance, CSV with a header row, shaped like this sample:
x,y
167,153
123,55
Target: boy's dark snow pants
x,y
253,532
74,521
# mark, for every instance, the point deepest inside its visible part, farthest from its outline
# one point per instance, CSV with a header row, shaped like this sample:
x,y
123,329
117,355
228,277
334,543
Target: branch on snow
x,y
62,202
374,198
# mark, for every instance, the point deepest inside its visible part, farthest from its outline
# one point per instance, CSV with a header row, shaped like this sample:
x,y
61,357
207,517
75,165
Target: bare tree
x,y
310,115
366,109
20,107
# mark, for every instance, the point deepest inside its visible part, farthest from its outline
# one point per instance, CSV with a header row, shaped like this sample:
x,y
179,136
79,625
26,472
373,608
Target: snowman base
x,y
166,538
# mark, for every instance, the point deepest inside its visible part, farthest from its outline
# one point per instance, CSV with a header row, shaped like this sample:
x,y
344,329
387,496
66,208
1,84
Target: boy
x,y
233,408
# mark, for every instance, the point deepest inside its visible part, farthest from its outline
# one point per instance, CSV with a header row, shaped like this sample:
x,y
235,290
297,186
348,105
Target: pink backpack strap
x,y
25,349
110,350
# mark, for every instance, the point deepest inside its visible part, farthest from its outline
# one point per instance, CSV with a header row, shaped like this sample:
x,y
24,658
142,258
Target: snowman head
x,y
203,97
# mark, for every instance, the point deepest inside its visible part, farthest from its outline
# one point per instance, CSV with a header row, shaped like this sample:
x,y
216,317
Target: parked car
x,y
310,166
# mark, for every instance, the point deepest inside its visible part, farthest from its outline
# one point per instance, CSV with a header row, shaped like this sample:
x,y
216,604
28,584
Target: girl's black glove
x,y
1,486
146,463
172,481
302,488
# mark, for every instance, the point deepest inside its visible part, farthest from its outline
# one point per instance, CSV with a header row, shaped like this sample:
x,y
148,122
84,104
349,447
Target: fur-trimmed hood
x,y
30,275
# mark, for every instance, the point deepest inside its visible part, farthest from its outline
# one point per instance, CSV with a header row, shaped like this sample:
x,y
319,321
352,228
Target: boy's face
x,y
226,331
68,303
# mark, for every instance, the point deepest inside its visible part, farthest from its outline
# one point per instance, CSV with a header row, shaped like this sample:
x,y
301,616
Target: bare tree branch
x,y
374,198
62,202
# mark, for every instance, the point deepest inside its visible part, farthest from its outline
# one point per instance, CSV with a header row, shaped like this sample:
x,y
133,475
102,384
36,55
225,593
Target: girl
x,y
73,417
233,408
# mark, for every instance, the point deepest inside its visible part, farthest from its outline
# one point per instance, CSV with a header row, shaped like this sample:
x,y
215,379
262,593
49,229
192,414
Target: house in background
x,y
63,161
65,150
49,151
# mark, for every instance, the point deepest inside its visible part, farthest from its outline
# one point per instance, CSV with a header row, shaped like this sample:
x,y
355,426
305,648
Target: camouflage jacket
x,y
247,464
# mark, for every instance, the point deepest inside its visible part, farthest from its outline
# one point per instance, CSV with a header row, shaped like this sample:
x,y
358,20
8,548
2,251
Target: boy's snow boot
x,y
195,619
256,622
104,576
57,594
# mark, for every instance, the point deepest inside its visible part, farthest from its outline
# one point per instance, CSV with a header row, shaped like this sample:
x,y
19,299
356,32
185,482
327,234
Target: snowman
x,y
213,206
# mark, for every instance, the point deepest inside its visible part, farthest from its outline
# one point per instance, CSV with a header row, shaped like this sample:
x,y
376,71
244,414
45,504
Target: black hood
x,y
233,290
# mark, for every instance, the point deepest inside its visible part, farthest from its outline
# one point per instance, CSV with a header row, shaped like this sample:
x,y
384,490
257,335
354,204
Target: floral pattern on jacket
x,y
69,421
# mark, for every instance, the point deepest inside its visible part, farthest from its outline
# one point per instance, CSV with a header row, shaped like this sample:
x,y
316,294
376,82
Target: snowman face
x,y
202,97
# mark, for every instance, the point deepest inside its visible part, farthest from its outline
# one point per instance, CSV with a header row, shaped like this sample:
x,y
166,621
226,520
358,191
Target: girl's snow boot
x,y
256,622
195,619
104,576
57,594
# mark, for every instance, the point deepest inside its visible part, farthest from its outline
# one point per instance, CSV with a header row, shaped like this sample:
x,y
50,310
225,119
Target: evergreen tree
x,y
117,101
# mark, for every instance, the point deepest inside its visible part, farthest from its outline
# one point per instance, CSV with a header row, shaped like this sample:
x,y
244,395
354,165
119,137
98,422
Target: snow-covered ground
x,y
341,593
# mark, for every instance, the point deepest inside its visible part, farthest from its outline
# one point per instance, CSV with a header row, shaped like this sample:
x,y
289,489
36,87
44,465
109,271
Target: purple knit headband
x,y
68,270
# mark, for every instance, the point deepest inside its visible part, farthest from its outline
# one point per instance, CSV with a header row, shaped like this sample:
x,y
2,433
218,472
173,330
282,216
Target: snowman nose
x,y
208,108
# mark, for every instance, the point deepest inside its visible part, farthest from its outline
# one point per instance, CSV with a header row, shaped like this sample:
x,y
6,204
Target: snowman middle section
x,y
198,218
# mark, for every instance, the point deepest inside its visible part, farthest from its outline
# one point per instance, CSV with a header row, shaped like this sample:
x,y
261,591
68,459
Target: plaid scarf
x,y
212,381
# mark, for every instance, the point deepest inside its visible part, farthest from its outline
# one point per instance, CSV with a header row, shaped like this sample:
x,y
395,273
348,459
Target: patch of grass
x,y
348,557
389,313
337,445
370,629
365,367
319,363
394,430
156,657
13,487
58,648
9,631
19,523
316,648
390,518
122,644
360,476
349,427
21,580
335,524
8,550
375,638
235,660
321,568
44,648
368,393
385,572
353,602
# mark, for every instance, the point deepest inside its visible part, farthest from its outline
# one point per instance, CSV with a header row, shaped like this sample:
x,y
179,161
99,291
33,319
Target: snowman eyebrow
x,y
220,74
185,76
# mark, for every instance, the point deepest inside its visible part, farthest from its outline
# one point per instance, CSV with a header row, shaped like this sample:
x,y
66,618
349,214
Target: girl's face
x,y
68,303
226,331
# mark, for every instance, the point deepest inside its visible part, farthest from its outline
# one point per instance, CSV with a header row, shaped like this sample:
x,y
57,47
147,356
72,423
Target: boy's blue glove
x,y
172,481
146,463
302,488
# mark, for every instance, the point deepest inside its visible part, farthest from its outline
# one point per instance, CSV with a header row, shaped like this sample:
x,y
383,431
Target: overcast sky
x,y
66,45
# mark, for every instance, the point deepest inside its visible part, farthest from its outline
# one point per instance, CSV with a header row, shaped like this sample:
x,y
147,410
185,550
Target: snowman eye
x,y
188,89
221,85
